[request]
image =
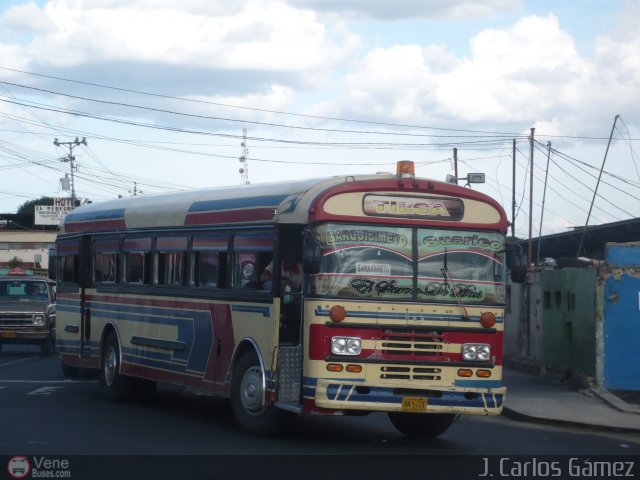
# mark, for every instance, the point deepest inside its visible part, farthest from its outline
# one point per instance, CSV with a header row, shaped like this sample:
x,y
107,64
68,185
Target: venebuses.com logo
x,y
19,466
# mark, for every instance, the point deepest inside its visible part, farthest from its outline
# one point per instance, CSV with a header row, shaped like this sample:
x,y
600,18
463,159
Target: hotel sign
x,y
52,214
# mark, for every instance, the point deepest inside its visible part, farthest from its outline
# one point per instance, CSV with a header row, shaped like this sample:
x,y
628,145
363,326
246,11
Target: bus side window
x,y
138,267
252,253
171,260
69,268
208,269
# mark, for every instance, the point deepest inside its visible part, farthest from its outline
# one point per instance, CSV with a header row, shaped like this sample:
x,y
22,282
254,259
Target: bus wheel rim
x,y
110,364
251,390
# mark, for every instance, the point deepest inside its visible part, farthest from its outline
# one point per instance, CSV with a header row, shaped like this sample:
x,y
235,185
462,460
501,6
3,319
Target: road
x,y
42,413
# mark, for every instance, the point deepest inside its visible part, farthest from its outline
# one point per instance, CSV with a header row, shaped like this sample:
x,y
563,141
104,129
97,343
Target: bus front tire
x,y
421,425
247,396
115,386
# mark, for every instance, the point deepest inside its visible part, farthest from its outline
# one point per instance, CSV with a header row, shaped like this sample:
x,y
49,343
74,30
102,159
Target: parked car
x,y
27,311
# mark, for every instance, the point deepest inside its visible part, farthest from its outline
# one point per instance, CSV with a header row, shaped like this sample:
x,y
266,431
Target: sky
x,y
164,92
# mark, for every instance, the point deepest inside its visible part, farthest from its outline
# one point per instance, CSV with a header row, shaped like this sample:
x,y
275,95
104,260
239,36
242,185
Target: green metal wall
x,y
568,308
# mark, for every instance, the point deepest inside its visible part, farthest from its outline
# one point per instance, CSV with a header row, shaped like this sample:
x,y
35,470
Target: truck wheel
x,y
421,425
247,399
114,386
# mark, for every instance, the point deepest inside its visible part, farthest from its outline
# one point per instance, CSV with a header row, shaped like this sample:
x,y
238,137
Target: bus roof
x,y
381,198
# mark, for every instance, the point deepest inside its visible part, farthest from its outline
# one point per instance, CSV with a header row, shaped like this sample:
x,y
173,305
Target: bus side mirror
x,y
311,255
518,266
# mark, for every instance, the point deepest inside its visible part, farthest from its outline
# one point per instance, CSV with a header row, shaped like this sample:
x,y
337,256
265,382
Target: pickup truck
x,y
27,312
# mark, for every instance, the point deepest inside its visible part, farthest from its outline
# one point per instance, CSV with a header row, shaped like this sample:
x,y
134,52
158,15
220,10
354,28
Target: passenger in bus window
x,y
290,272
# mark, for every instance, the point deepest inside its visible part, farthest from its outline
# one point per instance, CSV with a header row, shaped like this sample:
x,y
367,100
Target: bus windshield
x,y
403,263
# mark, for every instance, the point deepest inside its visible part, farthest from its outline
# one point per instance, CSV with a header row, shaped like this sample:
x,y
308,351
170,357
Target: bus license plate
x,y
414,404
9,334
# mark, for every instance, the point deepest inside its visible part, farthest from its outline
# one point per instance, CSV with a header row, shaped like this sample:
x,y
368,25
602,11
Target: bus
x,y
399,305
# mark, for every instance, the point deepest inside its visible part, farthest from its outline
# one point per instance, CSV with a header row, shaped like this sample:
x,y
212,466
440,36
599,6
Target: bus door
x,y
288,287
85,281
290,290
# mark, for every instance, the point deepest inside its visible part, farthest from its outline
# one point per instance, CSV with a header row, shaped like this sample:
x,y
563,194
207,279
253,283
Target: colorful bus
x,y
398,305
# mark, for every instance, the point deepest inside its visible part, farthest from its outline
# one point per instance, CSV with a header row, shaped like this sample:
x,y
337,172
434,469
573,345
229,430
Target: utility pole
x,y
529,254
513,194
244,170
595,192
70,158
544,194
135,189
455,164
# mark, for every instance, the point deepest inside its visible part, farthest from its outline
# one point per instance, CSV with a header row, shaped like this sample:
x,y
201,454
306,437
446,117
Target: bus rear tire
x,y
421,425
115,386
247,405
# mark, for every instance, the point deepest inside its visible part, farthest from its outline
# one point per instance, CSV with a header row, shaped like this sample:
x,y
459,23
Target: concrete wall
x,y
26,246
569,319
550,320
523,323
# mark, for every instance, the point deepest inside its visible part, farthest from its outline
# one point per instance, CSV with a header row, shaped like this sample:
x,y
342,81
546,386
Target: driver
x,y
290,273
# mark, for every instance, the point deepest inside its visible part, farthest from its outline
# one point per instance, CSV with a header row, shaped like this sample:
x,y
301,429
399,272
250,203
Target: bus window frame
x,y
157,251
95,239
235,252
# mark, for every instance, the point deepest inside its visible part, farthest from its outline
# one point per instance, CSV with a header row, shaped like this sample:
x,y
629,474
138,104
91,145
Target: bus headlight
x,y
346,345
476,352
38,319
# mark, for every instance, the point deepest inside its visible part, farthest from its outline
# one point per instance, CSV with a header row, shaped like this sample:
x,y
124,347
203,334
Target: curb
x,y
521,417
614,401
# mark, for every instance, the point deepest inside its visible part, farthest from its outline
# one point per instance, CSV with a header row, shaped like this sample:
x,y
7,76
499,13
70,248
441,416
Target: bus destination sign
x,y
432,208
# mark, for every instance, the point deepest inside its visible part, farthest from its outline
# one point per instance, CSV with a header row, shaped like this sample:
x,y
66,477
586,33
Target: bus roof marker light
x,y
406,169
337,313
487,319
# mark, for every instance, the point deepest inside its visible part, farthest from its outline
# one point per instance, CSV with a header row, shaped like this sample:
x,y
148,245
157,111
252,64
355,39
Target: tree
x,y
15,262
28,208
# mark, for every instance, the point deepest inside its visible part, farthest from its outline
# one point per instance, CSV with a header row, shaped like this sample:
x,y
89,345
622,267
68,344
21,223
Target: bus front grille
x,y
412,344
410,373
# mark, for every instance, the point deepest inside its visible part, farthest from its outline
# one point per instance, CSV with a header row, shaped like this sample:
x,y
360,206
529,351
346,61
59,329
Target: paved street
x,y
42,413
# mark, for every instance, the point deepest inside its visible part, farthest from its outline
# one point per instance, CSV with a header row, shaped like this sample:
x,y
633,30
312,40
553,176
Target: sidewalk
x,y
543,400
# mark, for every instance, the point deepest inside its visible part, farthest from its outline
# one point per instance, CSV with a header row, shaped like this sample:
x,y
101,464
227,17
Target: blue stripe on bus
x,y
386,395
235,203
478,383
194,327
114,214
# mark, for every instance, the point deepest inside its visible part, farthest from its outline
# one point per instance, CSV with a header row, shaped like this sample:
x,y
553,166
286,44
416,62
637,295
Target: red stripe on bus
x,y
95,226
320,344
231,216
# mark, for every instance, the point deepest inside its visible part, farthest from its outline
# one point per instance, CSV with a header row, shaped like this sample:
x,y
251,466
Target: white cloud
x,y
254,36
528,74
403,9
27,18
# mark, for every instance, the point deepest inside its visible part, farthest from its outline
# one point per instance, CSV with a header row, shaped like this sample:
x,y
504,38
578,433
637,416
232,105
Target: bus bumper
x,y
346,395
